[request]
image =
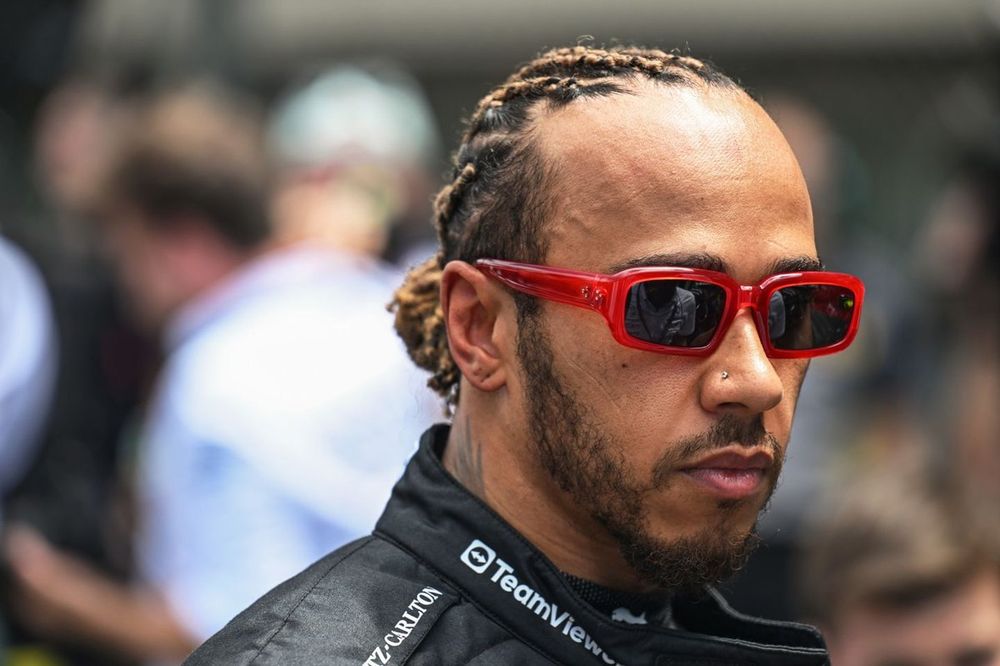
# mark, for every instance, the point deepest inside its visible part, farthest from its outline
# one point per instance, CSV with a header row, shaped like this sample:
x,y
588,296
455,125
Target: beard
x,y
589,465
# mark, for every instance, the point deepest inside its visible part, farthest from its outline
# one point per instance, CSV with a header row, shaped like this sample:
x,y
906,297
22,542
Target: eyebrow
x,y
796,265
714,262
704,260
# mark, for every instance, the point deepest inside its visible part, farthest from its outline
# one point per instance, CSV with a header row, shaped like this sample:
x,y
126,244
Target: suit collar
x,y
491,564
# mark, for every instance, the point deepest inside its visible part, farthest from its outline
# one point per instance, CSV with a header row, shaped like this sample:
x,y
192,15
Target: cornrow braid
x,y
495,204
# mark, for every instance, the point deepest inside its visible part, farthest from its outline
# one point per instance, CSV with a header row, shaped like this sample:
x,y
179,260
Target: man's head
x,y
897,574
78,127
352,149
596,161
185,201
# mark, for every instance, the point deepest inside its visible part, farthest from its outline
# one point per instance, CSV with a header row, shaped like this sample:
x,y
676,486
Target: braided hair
x,y
495,204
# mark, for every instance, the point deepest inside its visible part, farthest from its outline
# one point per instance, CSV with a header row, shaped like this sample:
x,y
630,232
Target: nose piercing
x,y
725,375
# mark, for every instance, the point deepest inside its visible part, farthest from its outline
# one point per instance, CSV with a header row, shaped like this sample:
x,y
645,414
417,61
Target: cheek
x,y
135,262
150,274
639,399
778,420
132,270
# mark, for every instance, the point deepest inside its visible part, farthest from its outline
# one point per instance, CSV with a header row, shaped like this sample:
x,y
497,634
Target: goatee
x,y
586,463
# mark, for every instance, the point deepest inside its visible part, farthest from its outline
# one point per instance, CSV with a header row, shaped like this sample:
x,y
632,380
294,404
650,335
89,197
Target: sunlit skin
x,y
662,176
960,628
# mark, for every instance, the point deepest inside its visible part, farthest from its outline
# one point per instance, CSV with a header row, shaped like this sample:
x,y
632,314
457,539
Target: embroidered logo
x,y
408,621
478,556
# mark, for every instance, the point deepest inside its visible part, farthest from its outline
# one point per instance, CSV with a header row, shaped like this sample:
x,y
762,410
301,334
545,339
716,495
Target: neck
x,y
499,464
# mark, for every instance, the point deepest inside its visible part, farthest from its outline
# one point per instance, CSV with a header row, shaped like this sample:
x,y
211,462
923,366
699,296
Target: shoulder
x,y
364,598
299,347
371,603
27,358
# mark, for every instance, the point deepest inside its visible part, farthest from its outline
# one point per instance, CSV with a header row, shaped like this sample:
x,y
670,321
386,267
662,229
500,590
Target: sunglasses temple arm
x,y
587,290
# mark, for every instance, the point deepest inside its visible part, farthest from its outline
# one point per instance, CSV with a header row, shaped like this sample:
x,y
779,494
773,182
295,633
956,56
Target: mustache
x,y
748,433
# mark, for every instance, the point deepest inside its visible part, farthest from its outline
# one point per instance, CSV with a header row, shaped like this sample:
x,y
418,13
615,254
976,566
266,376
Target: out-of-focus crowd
x,y
232,401
201,391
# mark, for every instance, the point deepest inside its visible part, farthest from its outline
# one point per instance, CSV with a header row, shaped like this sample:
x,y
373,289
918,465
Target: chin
x,y
694,515
688,562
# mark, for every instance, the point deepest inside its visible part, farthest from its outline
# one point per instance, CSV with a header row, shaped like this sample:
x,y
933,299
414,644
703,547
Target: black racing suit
x,y
444,580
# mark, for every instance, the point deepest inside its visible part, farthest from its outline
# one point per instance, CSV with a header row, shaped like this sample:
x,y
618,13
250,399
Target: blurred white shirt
x,y
285,413
27,361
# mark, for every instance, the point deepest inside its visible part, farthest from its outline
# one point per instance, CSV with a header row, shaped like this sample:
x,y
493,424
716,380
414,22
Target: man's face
x,y
961,628
666,176
145,263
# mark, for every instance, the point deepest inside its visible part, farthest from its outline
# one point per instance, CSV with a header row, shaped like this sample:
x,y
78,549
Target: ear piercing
x,y
725,375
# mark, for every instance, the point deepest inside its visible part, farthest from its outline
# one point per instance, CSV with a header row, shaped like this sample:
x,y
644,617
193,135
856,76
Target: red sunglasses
x,y
688,310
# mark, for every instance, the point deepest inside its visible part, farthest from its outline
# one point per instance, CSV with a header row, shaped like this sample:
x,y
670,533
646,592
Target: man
x,y
593,481
898,574
257,456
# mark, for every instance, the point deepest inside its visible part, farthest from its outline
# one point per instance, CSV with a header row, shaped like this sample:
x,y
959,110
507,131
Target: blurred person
x,y
593,483
958,263
75,491
27,362
27,372
76,135
256,456
896,574
353,149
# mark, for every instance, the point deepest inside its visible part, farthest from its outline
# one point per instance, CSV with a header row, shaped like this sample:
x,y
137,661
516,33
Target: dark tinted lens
x,y
675,313
809,316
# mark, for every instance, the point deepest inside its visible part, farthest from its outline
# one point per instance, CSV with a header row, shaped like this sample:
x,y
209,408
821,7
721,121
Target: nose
x,y
739,377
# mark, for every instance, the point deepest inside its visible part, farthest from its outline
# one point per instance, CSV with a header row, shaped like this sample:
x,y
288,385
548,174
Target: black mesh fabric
x,y
654,608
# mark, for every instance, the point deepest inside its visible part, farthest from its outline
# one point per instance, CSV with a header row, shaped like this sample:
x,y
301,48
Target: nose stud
x,y
725,375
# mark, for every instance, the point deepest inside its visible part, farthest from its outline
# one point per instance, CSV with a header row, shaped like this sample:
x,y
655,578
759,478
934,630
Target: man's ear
x,y
471,304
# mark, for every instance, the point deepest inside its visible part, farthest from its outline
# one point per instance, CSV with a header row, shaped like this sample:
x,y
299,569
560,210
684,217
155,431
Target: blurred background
x,y
347,112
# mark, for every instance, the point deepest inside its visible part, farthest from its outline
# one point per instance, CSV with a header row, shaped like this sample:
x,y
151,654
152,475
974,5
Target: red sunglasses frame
x,y
606,294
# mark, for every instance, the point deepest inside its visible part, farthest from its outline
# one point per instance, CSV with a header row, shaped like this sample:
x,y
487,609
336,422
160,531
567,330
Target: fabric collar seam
x,y
592,612
763,621
656,631
464,593
284,622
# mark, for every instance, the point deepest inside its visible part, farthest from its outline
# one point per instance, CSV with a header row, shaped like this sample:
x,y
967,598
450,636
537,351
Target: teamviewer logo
x,y
478,556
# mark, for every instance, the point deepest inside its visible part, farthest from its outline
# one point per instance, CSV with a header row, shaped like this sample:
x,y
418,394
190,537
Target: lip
x,y
735,456
733,473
